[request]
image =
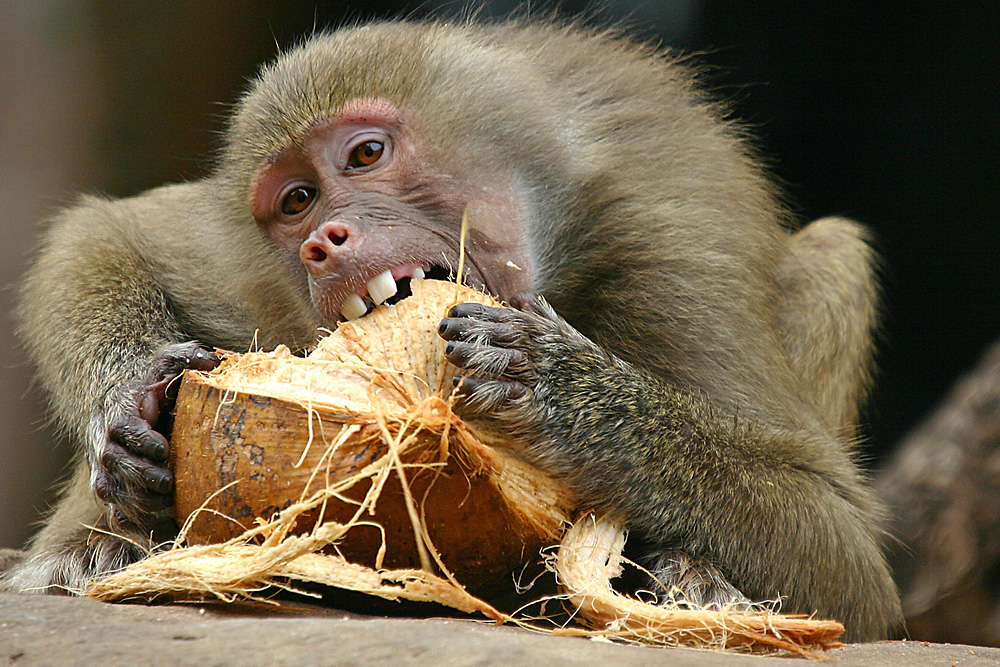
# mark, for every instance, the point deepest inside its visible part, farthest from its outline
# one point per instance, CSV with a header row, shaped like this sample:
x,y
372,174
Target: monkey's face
x,y
367,200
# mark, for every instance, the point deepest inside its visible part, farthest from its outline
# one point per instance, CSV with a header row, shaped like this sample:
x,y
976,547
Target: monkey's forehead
x,y
511,76
398,62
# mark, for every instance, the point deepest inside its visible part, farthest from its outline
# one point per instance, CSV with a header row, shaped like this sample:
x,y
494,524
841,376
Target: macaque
x,y
674,353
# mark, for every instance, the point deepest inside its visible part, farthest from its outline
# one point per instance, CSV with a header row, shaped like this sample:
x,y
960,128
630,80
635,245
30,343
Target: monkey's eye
x,y
365,154
298,200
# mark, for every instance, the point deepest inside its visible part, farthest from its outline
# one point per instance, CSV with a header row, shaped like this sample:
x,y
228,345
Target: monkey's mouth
x,y
389,287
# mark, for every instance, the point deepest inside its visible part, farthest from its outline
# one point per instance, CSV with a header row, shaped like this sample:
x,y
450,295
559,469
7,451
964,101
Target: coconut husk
x,y
349,468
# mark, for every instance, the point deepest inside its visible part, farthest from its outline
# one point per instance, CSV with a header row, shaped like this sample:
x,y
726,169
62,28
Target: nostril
x,y
337,234
313,253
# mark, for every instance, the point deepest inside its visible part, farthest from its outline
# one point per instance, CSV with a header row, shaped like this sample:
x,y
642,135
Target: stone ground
x,y
43,630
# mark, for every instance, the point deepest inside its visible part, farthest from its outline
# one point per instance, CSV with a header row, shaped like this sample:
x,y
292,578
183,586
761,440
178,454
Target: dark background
x,y
884,112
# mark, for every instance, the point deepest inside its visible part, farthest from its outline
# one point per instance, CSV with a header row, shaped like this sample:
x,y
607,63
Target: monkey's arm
x,y
775,512
101,329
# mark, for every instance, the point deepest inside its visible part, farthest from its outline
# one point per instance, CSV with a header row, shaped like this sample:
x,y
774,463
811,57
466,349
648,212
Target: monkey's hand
x,y
128,436
530,374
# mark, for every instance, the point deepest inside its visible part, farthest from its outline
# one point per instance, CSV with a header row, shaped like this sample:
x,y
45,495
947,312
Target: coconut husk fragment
x,y
349,468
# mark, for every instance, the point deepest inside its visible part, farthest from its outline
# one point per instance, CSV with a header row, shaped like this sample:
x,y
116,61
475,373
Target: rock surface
x,y
41,630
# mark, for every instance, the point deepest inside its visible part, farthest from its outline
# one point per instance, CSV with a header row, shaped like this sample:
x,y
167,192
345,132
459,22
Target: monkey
x,y
673,352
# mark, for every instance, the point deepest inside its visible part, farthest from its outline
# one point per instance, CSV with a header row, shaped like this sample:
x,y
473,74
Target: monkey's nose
x,y
324,242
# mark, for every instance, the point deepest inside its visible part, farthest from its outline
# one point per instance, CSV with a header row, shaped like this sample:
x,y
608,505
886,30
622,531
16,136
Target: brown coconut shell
x,y
268,429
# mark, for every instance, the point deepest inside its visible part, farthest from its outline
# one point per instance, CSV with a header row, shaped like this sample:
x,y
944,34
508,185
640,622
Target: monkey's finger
x,y
165,392
169,362
173,359
149,407
131,470
484,333
485,397
139,513
159,528
203,360
158,399
137,509
163,528
130,517
478,311
199,360
497,361
135,433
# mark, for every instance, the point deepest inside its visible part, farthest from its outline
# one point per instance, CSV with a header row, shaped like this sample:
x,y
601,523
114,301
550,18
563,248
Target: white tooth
x,y
418,274
381,287
354,307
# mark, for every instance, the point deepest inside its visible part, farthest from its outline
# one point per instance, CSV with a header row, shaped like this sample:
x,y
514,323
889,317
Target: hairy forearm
x,y
87,321
685,477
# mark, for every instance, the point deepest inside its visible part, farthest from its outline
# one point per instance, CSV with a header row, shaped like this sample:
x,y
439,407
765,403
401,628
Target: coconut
x,y
349,468
270,429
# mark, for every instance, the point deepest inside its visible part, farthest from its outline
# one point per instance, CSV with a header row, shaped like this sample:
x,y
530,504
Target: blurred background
x,y
885,112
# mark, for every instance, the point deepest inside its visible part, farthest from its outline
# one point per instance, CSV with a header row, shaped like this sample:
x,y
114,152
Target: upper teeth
x,y
353,308
381,287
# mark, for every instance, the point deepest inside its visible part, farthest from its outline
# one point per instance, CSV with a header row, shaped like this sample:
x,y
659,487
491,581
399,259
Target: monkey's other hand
x,y
129,442
527,367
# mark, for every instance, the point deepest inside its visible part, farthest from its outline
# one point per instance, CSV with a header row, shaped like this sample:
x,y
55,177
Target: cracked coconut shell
x,y
265,430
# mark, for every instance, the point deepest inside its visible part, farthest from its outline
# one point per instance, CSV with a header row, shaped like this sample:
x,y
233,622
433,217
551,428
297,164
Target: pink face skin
x,y
366,193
